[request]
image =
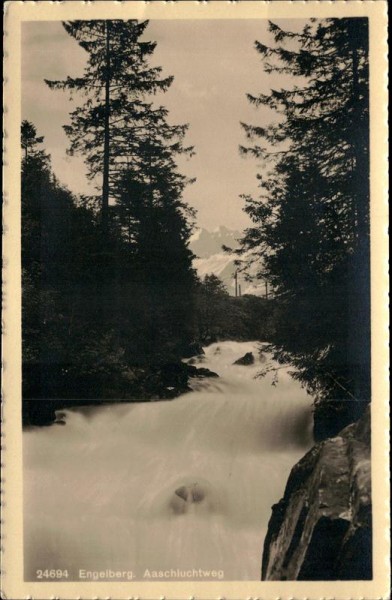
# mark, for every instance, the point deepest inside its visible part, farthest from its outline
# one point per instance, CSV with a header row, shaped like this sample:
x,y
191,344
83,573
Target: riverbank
x,y
138,384
321,529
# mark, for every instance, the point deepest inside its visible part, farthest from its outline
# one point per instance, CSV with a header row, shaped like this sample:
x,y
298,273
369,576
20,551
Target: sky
x,y
214,64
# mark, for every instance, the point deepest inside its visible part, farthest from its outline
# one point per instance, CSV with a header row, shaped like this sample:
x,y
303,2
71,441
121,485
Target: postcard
x,y
195,397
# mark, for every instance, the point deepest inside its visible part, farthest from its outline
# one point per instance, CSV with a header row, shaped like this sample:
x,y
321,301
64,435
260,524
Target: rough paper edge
x,y
12,556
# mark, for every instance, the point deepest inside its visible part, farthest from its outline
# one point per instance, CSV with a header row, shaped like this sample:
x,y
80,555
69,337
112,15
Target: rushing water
x,y
186,484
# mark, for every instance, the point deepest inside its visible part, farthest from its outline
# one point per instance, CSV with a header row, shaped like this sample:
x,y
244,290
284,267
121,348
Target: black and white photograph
x,y
196,299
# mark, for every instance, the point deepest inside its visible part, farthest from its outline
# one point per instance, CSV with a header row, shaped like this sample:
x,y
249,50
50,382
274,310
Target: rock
x,y
38,412
190,497
191,493
247,359
196,359
203,372
321,528
200,372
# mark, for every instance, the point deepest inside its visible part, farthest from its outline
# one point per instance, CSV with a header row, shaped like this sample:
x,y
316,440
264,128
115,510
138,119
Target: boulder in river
x,y
247,359
191,493
200,372
191,496
321,529
195,360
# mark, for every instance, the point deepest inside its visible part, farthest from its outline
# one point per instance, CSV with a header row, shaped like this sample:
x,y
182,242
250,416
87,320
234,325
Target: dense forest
x,y
108,279
111,302
310,233
99,321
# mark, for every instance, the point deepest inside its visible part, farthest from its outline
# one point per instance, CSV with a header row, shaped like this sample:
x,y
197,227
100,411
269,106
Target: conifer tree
x,y
109,127
127,138
157,224
311,219
29,139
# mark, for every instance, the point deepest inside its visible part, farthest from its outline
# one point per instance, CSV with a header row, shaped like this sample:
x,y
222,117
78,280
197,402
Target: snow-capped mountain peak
x,y
211,258
204,243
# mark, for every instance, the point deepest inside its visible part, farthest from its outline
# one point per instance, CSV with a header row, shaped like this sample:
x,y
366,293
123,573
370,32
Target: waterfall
x,y
184,486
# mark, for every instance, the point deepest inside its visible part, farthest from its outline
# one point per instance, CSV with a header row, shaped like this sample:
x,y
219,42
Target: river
x,y
186,484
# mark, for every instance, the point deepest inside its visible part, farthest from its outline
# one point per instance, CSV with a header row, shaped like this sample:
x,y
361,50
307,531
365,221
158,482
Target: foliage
x,y
128,140
311,219
30,140
220,316
118,129
98,321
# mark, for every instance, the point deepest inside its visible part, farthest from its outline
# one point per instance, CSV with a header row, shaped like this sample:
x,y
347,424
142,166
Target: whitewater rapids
x,y
186,484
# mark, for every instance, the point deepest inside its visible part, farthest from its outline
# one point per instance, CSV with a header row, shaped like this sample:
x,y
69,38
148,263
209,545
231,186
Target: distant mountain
x,y
205,243
210,258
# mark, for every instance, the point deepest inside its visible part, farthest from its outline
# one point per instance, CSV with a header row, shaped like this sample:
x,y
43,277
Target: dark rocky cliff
x,y
321,528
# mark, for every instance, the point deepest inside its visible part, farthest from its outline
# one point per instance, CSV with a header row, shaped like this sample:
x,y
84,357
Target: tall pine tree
x,y
109,127
128,140
311,219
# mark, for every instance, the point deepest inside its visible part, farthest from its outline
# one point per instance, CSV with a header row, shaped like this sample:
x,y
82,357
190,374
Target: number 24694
x,y
52,574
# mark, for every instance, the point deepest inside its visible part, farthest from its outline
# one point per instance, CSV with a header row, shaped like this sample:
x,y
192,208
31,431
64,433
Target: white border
x,y
13,585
